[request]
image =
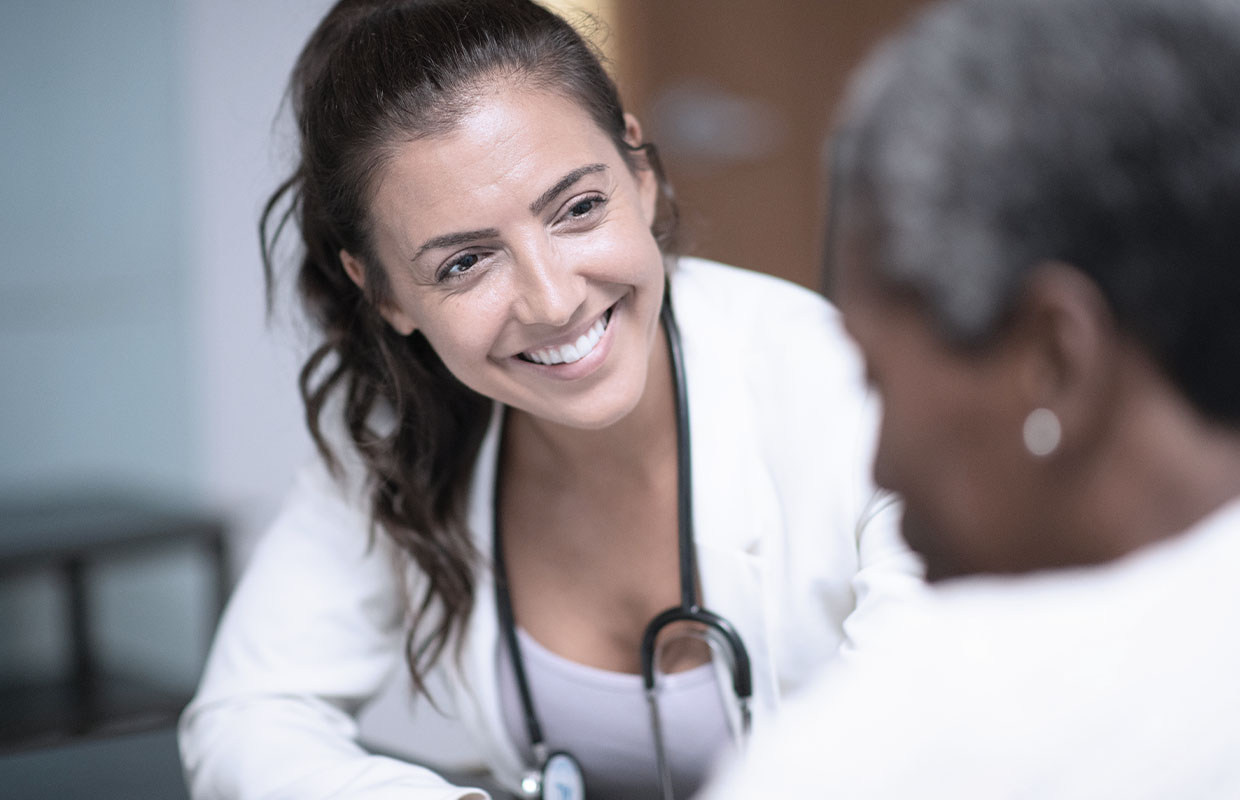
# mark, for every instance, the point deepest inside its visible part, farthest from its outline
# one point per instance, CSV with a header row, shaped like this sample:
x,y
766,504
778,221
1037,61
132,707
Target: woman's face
x,y
950,441
519,244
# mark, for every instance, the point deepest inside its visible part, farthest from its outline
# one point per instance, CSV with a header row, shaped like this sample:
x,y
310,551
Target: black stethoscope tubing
x,y
689,610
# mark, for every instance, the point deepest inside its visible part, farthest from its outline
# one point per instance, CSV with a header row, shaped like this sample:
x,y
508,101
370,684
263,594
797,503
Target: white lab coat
x,y
1108,682
781,439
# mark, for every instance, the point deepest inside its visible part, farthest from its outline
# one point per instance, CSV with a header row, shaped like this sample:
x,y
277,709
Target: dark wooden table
x,y
132,766
70,534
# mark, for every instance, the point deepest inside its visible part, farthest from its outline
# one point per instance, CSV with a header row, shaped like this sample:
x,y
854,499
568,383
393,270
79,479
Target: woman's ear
x,y
647,181
401,322
354,268
632,130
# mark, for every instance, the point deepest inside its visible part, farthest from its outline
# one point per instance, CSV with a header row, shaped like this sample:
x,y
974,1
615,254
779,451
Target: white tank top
x,y
602,719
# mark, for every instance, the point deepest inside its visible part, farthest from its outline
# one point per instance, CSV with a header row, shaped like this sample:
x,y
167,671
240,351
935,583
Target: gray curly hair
x,y
993,135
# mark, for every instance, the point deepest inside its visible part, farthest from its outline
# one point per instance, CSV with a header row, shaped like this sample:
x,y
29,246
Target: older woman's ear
x,y
1075,353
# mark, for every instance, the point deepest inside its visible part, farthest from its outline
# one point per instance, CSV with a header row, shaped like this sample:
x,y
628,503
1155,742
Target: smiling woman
x,y
558,244
519,357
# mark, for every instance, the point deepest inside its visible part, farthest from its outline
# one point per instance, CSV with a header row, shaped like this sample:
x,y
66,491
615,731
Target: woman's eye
x,y
584,207
458,266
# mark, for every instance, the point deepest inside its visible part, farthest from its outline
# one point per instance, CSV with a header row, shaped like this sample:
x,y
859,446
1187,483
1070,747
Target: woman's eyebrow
x,y
544,199
568,180
454,240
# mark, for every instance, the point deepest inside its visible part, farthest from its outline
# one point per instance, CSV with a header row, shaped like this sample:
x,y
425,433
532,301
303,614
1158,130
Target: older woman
x,y
1037,251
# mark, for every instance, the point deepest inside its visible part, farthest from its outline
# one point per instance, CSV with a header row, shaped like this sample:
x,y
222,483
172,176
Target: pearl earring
x,y
1042,432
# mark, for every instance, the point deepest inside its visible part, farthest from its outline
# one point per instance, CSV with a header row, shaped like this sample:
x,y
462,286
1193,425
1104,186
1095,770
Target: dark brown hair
x,y
372,76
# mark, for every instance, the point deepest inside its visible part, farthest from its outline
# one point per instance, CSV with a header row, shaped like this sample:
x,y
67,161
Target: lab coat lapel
x,y
480,702
736,515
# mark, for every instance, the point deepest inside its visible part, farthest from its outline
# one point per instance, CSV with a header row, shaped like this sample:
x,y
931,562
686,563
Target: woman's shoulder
x,y
324,510
765,320
744,289
322,535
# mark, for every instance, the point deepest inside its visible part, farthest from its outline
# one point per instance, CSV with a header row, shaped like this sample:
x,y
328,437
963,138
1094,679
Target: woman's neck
x,y
632,448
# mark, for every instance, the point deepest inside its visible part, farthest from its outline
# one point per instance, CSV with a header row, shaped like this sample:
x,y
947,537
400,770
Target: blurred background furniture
x,y
133,766
73,537
739,96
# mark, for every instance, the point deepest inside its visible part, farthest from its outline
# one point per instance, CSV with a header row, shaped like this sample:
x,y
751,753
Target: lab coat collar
x,y
481,677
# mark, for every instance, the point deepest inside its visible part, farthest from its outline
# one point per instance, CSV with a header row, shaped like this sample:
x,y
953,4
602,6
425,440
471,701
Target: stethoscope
x,y
558,775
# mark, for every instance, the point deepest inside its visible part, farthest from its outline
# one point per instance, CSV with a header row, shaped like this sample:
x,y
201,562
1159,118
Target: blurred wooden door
x,y
739,96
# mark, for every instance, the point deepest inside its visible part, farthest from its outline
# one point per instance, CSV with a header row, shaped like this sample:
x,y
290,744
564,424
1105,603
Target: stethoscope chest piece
x,y
559,779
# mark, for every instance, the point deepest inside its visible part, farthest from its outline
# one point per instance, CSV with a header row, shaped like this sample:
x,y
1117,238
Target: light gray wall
x,y
236,58
140,140
137,139
98,386
94,329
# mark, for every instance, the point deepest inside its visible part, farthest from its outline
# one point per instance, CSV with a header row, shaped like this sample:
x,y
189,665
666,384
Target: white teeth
x,y
575,351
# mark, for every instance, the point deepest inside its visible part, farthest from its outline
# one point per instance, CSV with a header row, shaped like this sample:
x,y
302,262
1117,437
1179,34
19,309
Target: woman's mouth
x,y
573,351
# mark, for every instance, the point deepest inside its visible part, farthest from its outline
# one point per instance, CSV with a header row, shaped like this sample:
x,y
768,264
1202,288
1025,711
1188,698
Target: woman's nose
x,y
549,290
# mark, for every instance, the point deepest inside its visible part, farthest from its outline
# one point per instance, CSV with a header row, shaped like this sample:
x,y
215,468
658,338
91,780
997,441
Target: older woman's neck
x,y
1161,468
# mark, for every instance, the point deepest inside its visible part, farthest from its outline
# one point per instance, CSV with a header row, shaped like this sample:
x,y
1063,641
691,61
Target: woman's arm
x,y
311,632
889,574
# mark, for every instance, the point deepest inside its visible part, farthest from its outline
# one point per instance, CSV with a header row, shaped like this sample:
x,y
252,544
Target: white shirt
x,y
782,435
602,718
1117,681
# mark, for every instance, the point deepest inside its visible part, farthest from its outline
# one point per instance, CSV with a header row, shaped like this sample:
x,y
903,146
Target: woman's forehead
x,y
503,137
503,155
